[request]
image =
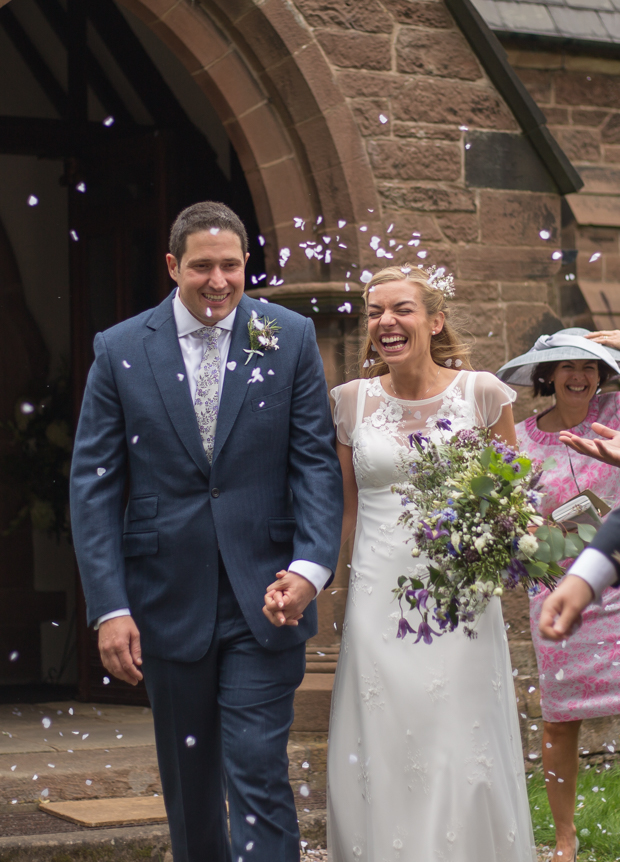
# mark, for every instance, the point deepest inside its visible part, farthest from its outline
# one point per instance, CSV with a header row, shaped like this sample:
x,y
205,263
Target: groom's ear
x,y
173,267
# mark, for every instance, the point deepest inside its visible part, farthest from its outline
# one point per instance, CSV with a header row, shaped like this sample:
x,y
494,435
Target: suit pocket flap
x,y
140,544
267,401
141,508
282,529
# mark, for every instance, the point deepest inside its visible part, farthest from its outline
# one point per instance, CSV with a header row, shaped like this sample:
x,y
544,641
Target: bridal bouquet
x,y
470,504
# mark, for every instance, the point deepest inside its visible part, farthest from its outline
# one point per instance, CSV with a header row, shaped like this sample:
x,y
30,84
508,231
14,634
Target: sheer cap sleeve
x,y
345,409
491,396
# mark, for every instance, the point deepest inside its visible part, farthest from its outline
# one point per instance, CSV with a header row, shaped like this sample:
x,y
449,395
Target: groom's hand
x,y
119,647
287,598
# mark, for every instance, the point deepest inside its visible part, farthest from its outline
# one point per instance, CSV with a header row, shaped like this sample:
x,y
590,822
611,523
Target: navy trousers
x,y
221,729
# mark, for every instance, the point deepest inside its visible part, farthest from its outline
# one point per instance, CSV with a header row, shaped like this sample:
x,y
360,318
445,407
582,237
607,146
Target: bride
x,y
425,760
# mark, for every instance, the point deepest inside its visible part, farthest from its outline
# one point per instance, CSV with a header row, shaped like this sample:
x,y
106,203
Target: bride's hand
x,y
287,598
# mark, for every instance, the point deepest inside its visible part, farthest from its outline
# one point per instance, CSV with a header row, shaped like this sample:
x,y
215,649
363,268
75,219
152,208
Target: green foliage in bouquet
x,y
40,458
471,506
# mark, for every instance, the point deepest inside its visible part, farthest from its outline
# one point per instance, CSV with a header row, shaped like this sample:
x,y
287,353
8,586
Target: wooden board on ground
x,y
109,812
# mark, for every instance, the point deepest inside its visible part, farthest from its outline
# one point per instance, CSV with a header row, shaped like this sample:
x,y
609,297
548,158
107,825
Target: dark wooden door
x,y
119,211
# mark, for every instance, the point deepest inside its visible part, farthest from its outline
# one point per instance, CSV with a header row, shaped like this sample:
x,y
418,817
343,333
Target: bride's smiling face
x,y
398,325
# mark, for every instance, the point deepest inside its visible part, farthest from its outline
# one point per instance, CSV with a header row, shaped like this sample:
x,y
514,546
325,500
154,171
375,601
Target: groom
x,y
225,459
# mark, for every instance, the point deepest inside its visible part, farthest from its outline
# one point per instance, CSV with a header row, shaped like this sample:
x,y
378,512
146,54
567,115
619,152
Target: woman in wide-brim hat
x,y
577,678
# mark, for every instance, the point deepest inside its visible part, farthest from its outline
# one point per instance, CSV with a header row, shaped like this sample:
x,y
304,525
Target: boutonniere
x,y
263,337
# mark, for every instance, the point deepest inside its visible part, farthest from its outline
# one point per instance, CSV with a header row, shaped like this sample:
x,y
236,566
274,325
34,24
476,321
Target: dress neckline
x,y
422,400
552,438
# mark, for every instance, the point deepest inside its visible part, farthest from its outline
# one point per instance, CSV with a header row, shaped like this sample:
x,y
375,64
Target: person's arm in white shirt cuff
x,y
123,612
317,575
595,569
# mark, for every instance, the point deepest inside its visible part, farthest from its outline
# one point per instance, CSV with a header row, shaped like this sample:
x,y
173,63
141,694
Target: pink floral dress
x,y
580,677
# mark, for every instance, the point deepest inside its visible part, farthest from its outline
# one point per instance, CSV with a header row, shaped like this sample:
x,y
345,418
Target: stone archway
x,y
274,91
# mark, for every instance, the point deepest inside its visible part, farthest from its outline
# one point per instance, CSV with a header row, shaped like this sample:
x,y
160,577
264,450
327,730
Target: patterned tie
x,y
206,401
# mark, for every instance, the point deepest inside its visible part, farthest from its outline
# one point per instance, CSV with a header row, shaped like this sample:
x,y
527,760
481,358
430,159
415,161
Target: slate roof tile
x,y
526,17
579,23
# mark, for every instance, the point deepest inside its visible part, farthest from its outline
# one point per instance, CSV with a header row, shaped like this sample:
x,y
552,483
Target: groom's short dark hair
x,y
204,216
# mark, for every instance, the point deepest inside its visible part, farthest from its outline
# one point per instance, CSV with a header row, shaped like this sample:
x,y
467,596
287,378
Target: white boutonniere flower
x,y
262,332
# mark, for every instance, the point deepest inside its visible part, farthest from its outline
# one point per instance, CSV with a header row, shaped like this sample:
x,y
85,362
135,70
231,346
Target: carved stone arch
x,y
297,141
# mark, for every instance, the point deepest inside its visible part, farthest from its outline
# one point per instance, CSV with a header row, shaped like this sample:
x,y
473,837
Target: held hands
x,y
119,647
606,450
561,610
287,598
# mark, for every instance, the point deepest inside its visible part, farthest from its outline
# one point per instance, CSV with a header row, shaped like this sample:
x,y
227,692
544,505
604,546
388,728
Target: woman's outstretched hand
x,y
606,337
605,448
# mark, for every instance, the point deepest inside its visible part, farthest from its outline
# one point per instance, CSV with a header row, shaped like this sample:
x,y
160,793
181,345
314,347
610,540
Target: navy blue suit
x,y
195,548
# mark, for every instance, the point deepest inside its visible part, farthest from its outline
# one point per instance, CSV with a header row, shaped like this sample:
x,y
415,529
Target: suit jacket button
x,y
215,492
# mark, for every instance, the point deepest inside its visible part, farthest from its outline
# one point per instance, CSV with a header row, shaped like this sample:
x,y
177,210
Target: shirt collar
x,y
187,323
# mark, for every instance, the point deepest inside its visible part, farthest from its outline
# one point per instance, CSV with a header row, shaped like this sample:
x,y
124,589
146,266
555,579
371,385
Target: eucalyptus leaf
x,y
482,485
573,546
556,540
544,552
549,464
484,505
542,533
485,458
586,532
536,569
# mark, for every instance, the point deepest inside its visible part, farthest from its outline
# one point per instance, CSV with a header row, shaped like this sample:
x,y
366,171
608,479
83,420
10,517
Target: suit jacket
x,y
607,540
272,494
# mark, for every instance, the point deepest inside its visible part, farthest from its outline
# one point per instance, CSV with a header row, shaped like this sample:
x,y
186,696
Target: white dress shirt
x,y
595,569
192,348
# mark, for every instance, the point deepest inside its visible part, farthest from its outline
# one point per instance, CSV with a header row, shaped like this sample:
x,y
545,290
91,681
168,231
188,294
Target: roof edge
x,y
494,59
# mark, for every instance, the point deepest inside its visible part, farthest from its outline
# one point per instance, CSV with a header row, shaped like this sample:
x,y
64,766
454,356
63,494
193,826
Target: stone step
x,y
313,703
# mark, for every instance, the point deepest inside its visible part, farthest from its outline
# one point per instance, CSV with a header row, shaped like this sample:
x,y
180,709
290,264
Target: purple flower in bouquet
x,y
418,438
516,571
425,633
465,437
421,597
506,524
404,628
508,454
433,535
444,424
449,514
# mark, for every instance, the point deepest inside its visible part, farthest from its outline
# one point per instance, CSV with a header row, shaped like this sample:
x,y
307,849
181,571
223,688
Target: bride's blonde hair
x,y
447,346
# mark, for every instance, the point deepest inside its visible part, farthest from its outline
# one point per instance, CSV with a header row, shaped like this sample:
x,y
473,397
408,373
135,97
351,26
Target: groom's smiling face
x,y
210,275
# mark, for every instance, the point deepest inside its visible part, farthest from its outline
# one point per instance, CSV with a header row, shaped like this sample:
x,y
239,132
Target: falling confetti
x,y
208,312
231,365
594,257
422,254
215,230
346,307
81,187
101,471
88,781
126,364
26,408
106,680
463,128
383,118
341,223
365,276
33,200
560,675
46,722
305,765
190,741
304,790
135,439
557,255
261,239
319,220
251,819
256,377
544,234
271,372
468,146
299,222
180,377
109,121
74,235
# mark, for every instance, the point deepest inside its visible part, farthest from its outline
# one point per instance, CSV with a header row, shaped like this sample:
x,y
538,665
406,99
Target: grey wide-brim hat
x,y
565,344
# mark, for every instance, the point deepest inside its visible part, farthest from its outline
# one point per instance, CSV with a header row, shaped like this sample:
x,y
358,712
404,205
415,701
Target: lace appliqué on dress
x,y
372,697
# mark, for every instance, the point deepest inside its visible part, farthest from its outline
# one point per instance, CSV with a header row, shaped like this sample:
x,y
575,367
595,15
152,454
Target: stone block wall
x,y
580,97
421,101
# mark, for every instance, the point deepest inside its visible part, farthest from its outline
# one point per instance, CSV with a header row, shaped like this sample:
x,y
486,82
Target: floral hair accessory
x,y
263,337
438,279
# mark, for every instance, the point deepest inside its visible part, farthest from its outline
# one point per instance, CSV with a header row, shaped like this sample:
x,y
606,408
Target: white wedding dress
x,y
424,760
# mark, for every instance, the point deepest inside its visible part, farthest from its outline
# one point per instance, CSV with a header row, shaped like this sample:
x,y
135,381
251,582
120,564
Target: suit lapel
x,y
166,361
235,381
